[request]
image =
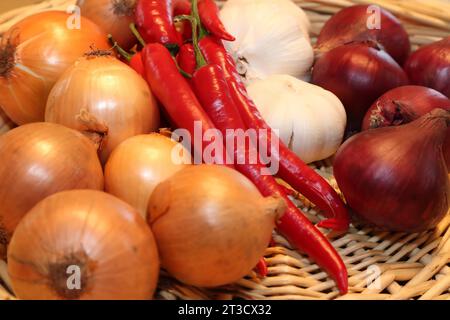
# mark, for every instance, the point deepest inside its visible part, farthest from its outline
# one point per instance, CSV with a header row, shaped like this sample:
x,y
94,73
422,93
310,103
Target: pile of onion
x,y
357,73
211,224
430,66
38,160
113,16
34,53
361,23
139,164
83,245
105,99
395,177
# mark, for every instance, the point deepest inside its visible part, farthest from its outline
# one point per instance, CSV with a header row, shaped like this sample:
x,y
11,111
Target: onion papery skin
x,y
211,224
118,99
357,74
97,234
42,48
351,25
38,160
113,17
429,66
395,178
403,105
138,165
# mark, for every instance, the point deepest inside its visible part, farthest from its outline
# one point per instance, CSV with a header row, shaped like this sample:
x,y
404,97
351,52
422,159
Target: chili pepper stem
x,y
184,73
200,59
119,49
136,33
201,31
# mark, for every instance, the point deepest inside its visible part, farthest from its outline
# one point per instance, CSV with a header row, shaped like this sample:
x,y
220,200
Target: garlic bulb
x,y
271,37
311,121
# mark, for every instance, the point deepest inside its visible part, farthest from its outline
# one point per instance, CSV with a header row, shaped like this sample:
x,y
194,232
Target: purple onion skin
x,y
405,104
357,74
351,25
430,66
395,178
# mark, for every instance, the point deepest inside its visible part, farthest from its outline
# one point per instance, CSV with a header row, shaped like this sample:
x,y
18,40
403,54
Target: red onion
x,y
395,177
405,104
357,74
430,66
357,23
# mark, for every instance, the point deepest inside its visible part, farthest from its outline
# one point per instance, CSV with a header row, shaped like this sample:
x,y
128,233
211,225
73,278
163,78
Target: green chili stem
x,y
201,31
137,34
184,73
119,49
199,58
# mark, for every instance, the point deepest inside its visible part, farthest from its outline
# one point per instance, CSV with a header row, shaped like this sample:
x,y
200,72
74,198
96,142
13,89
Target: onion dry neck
x,y
371,43
7,57
60,275
95,130
438,117
94,53
123,7
394,114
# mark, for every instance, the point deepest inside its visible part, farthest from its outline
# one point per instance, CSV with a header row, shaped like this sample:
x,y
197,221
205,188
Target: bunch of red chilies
x,y
197,80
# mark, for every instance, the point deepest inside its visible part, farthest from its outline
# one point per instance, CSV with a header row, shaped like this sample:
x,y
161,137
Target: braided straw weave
x,y
381,265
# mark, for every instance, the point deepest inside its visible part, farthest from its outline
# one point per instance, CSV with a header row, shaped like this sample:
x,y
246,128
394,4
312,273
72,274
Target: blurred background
x,y
6,5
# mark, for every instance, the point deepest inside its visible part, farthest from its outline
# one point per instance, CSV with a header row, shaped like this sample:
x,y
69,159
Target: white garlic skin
x,y
311,120
271,38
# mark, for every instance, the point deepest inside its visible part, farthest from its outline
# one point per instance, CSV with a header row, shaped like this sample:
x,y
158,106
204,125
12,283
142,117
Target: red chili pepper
x,y
261,268
186,58
176,96
137,64
292,169
133,60
211,88
154,19
183,7
209,16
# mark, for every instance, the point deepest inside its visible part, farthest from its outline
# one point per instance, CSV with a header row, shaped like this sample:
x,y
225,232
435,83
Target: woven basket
x,y
381,265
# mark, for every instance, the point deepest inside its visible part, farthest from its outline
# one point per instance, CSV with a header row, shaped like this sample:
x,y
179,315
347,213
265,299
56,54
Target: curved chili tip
x,y
209,16
300,233
334,224
261,268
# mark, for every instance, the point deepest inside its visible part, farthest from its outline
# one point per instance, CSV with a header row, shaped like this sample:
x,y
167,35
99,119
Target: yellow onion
x,y
34,53
139,164
113,16
38,160
103,97
211,224
85,245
